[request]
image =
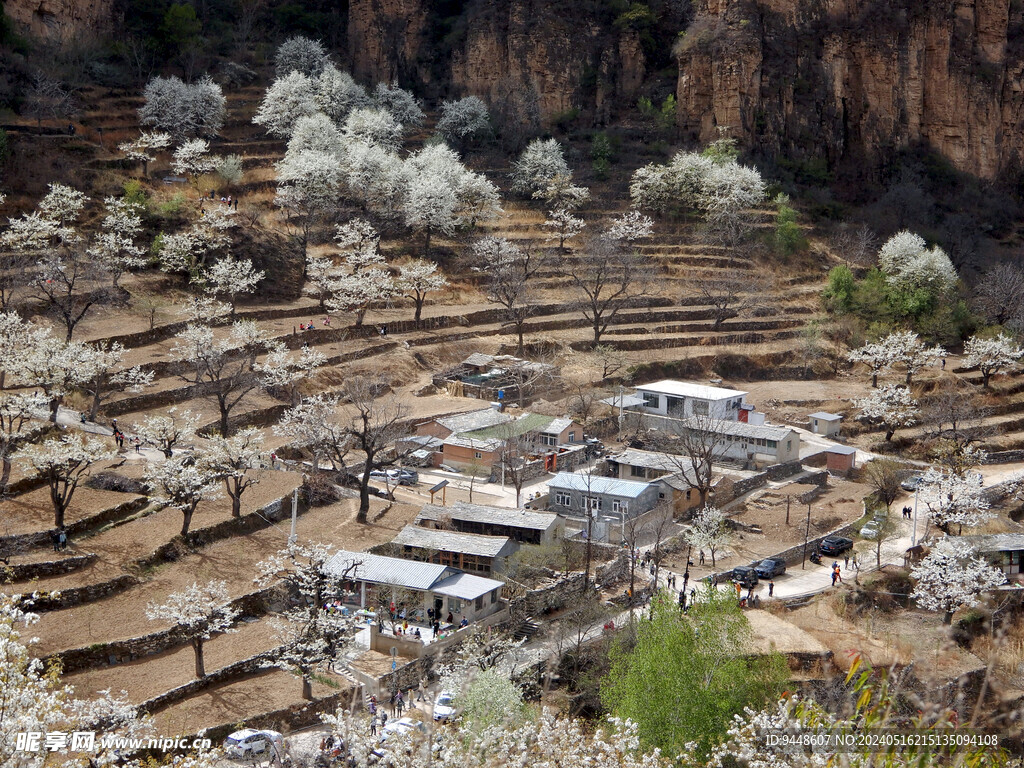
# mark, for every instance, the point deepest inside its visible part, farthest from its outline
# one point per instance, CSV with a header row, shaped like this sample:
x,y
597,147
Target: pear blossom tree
x,y
225,366
16,411
192,159
183,110
363,278
238,461
376,127
630,227
991,355
565,225
145,148
540,162
188,252
300,54
891,406
315,132
107,375
375,178
231,277
399,103
63,464
952,576
288,98
166,431
910,352
464,122
321,274
877,356
199,612
417,278
337,94
310,637
16,336
204,310
309,186
709,530
508,269
114,247
313,425
431,207
955,499
57,368
909,263
182,482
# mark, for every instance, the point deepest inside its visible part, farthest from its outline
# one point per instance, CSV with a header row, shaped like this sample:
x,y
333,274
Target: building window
x,y
562,499
549,439
637,472
572,437
593,503
676,405
651,400
700,407
494,596
772,444
477,455
480,602
789,445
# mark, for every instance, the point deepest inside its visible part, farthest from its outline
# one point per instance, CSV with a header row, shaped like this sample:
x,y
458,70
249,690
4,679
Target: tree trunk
x,y
519,331
236,504
364,495
426,242
984,379
197,646
5,475
54,407
909,377
307,689
712,556
186,515
874,379
889,433
419,309
597,331
948,618
58,515
225,428
95,409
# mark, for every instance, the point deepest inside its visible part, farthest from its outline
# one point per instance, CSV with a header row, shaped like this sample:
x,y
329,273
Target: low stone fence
x,y
40,570
1004,457
231,672
121,651
21,541
66,598
775,473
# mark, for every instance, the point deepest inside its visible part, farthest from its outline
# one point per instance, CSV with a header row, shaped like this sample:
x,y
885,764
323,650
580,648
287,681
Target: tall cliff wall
x,y
856,80
57,20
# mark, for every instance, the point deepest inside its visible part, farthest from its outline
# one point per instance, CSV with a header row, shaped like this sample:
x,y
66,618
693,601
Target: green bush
x,y
135,194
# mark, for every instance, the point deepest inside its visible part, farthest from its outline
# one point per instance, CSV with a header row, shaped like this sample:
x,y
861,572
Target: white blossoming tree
x,y
316,132
56,367
631,226
239,461
337,94
64,464
114,245
199,612
310,637
561,194
192,159
188,252
165,431
288,98
400,103
709,530
910,264
232,277
910,352
955,499
362,279
184,110
991,355
145,148
565,225
16,411
225,365
877,356
313,425
182,482
891,406
464,122
417,278
376,127
300,54
952,576
107,376
309,186
539,163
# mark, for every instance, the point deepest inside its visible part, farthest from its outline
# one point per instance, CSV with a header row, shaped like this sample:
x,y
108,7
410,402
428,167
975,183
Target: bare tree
x,y
729,293
694,445
607,277
884,476
509,270
48,98
954,419
377,422
857,245
999,294
514,461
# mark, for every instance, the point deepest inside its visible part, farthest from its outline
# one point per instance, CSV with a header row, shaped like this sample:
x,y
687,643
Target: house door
x,y
438,605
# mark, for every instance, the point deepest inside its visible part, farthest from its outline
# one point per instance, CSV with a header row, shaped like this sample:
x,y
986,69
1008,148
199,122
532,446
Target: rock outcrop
x,y
853,81
58,20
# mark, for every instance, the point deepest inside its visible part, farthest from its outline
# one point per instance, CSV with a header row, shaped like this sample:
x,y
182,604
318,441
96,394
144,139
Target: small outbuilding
x,y
825,423
840,459
469,551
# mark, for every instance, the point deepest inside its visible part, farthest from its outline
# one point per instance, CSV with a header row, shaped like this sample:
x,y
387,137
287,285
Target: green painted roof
x,y
528,422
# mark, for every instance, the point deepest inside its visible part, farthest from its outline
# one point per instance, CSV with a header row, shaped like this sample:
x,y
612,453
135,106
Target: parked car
x,y
396,476
444,706
745,576
912,483
835,545
449,468
248,742
871,529
770,568
406,726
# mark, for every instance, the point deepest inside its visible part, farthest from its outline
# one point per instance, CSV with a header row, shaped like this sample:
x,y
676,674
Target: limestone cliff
x,y
853,81
58,20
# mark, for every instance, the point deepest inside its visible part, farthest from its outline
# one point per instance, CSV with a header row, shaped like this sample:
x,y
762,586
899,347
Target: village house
x,y
668,470
825,423
418,586
468,551
608,500
525,526
756,444
681,399
498,378
1003,550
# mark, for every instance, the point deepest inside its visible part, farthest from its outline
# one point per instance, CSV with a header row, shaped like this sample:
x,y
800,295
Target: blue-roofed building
x,y
607,499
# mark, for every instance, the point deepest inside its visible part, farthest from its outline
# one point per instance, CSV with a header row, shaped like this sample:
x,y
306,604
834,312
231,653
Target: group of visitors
x,y
59,539
118,436
908,513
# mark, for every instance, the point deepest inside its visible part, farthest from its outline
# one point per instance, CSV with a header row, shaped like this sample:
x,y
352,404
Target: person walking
x,y
739,590
420,691
839,574
835,575
771,587
62,538
373,725
702,557
55,539
846,561
682,599
686,578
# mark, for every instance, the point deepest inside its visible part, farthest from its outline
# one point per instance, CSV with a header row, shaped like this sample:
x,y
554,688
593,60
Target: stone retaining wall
x,y
40,570
65,598
22,541
1004,457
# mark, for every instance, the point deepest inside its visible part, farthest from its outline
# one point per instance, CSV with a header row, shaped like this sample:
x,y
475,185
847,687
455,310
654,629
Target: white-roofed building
x,y
468,551
757,443
681,399
371,579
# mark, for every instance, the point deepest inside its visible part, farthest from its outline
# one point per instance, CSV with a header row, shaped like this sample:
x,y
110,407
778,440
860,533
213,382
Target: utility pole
x,y
295,513
807,535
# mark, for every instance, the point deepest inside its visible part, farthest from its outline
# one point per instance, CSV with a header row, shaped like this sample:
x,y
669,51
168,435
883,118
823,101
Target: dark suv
x,y
745,576
768,569
835,545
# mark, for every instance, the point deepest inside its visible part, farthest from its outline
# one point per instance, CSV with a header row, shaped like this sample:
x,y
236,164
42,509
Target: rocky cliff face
x,y
853,81
57,20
